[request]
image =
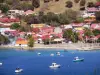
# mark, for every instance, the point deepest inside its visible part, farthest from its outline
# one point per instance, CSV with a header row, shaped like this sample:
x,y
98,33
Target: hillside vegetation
x,y
56,6
59,6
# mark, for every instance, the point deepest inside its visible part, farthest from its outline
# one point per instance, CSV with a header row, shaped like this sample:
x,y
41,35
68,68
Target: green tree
x,y
63,19
88,32
4,8
46,41
71,15
15,26
80,20
50,18
97,14
70,35
4,39
30,41
96,32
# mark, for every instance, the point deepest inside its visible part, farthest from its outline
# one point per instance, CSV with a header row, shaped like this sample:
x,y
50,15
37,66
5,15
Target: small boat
x,y
77,59
52,54
0,63
39,53
58,53
18,70
55,65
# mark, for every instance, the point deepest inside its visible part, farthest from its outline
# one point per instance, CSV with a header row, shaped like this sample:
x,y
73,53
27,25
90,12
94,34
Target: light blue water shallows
x,y
33,64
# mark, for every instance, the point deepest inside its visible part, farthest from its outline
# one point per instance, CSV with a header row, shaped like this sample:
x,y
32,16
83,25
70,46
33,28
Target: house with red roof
x,y
47,30
7,22
36,30
97,4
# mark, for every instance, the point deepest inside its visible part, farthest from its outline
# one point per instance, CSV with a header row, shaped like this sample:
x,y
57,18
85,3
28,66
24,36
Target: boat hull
x,y
58,66
18,71
79,60
0,63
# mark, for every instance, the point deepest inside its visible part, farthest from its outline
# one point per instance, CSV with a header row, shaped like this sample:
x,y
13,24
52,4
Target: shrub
x,y
76,1
1,1
90,4
4,8
97,16
15,26
36,3
69,4
82,8
56,0
82,2
26,6
46,1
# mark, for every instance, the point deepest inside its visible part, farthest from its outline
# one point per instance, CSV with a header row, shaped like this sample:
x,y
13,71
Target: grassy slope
x,y
58,7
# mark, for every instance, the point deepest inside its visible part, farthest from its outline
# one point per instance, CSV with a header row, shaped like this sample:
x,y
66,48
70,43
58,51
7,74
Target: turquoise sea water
x,y
33,64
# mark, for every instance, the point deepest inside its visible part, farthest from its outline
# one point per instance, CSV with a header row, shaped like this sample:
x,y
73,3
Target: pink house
x,y
47,30
6,22
98,36
92,9
28,12
95,26
77,24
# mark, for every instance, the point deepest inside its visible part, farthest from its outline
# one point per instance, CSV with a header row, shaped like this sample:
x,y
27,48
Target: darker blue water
x,y
34,64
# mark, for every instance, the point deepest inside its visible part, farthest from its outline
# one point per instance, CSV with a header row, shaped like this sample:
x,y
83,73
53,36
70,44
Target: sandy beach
x,y
66,46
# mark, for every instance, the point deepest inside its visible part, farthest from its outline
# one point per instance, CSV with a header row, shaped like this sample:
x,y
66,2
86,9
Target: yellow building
x,y
79,28
37,25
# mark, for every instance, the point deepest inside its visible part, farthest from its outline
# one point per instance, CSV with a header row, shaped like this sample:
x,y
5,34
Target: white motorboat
x,y
77,59
58,53
54,65
18,70
52,54
0,63
39,53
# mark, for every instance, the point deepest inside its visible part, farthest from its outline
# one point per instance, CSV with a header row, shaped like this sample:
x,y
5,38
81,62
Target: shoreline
x,y
73,46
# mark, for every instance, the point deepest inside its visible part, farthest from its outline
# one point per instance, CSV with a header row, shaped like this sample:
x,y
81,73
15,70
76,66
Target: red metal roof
x,y
77,24
8,20
45,37
97,4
